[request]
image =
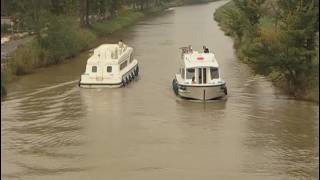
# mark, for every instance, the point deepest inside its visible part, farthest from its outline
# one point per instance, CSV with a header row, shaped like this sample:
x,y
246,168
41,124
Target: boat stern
x,y
88,82
200,92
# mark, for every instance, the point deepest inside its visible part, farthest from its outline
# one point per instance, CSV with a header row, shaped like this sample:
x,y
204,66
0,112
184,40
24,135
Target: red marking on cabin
x,y
200,58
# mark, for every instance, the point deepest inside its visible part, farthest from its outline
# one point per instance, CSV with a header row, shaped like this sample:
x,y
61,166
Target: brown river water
x,y
52,129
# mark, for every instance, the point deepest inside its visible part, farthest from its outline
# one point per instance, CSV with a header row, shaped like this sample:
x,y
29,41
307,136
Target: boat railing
x,y
185,50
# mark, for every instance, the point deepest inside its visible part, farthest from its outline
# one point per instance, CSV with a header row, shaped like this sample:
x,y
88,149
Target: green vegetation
x,y
278,38
5,29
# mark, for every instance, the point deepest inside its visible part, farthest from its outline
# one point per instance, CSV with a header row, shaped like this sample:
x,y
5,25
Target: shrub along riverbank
x,y
279,39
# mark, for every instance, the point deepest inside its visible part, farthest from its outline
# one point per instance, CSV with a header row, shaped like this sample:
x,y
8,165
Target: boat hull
x,y
105,83
102,85
204,93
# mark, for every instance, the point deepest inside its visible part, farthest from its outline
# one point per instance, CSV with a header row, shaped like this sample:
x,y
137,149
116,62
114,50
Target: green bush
x,y
5,28
65,39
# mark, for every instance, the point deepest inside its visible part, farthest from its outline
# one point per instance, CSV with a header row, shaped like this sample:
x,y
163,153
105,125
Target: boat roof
x,y
197,59
108,53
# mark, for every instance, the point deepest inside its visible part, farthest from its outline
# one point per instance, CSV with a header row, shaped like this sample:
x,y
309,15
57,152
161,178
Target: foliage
x,y
233,20
5,28
63,41
251,10
282,46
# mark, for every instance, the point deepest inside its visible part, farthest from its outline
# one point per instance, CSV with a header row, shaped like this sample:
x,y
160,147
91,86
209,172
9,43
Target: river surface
x,y
52,129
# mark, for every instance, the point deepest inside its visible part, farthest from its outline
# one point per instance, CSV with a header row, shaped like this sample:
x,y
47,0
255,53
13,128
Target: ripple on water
x,y
44,124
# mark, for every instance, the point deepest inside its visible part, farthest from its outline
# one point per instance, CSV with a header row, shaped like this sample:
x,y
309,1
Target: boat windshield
x,y
214,72
190,73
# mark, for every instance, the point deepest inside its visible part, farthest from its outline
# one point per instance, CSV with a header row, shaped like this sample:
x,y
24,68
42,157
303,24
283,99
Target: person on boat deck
x,y
120,43
190,49
193,80
205,49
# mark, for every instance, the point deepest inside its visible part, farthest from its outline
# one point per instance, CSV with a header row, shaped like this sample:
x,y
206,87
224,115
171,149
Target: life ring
x,y
175,86
124,82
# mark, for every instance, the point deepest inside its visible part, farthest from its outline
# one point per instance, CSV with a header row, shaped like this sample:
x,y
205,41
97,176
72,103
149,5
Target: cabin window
x,y
190,73
109,69
204,71
200,75
214,72
94,69
123,65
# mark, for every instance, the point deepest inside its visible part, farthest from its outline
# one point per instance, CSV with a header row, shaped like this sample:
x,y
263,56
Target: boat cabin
x,y
199,68
199,76
108,60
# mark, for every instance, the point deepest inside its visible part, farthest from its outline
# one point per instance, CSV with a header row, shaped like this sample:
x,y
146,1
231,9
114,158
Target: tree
x,y
251,9
113,6
293,50
84,13
235,22
34,13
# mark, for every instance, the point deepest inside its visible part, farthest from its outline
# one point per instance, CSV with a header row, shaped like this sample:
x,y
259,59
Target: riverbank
x,y
256,49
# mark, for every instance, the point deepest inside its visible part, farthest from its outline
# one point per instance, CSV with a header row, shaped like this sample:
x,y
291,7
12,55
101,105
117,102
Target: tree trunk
x,y
82,13
141,5
87,13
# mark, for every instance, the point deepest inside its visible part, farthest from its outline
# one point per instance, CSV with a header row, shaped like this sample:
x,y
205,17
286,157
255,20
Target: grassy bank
x,y
262,47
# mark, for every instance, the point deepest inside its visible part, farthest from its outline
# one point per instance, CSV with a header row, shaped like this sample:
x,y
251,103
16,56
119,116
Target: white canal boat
x,y
110,65
199,76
